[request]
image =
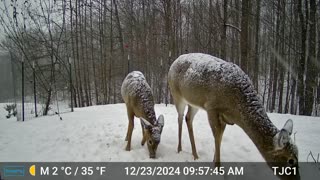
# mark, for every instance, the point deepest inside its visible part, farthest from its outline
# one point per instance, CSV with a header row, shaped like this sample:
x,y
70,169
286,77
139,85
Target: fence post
x,y
70,79
167,88
128,63
22,89
34,89
14,78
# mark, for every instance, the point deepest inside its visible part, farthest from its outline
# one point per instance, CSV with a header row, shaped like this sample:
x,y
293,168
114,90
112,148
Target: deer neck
x,y
259,128
149,113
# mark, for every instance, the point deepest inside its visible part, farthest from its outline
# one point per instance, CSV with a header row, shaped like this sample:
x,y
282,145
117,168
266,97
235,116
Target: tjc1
x,y
284,171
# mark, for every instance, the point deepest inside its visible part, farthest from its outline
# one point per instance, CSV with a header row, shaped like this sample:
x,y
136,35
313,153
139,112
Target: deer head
x,y
153,134
285,151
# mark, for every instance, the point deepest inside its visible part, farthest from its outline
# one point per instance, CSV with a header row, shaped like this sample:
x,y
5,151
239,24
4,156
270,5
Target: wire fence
x,y
26,88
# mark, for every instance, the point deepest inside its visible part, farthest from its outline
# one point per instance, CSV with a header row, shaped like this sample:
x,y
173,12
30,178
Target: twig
x,y
234,27
310,154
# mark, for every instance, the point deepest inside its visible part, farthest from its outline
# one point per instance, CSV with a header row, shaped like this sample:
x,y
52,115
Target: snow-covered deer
x,y
138,98
226,93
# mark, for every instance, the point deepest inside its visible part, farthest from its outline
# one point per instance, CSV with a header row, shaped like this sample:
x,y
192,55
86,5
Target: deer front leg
x,y
143,141
217,127
189,119
130,129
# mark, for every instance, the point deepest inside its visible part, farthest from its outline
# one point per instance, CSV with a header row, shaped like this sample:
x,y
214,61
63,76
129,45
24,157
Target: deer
x,y
226,93
139,102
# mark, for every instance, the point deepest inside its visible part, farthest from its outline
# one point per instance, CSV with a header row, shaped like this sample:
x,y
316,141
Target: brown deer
x,y
226,93
138,98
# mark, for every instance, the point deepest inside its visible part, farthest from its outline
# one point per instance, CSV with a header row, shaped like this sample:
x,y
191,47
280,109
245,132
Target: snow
x,y
97,133
201,65
134,83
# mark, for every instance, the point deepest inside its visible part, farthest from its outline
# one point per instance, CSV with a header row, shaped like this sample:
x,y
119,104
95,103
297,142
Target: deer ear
x,y
288,126
284,134
283,138
160,120
146,124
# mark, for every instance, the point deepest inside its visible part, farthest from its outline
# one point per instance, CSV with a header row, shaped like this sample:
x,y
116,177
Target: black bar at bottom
x,y
154,170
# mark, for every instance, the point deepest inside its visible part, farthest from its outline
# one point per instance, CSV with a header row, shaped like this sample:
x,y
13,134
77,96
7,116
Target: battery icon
x,y
32,170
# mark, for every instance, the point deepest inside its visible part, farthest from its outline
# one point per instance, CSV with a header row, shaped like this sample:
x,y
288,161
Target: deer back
x,y
137,95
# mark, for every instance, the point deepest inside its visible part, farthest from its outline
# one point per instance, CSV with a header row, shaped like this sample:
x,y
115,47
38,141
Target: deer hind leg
x,y
180,106
189,119
217,126
130,128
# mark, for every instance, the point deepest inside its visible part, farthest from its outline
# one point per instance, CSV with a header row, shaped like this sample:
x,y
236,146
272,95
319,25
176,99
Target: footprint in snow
x,y
245,149
117,136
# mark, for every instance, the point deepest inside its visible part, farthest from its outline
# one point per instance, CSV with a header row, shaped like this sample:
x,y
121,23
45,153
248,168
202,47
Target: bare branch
x,y
234,27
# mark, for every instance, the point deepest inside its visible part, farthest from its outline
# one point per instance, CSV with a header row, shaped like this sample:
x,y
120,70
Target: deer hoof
x,y
128,148
195,157
217,164
179,149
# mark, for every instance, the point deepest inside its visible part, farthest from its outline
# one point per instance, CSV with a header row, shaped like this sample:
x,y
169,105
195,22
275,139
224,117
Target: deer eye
x,y
291,161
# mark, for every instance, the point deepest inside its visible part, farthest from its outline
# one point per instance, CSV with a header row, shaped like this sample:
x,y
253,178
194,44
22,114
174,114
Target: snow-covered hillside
x,y
97,134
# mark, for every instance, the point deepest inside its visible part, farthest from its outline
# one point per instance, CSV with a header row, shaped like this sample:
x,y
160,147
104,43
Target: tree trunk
x,y
257,54
311,73
244,35
318,96
275,57
87,70
282,56
301,67
111,57
82,56
224,31
290,70
118,24
104,49
92,57
81,102
168,30
75,86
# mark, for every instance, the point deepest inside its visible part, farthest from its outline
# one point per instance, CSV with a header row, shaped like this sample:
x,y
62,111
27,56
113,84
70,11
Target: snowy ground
x,y
97,134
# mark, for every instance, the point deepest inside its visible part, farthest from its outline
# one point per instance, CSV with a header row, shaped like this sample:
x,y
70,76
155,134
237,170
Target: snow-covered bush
x,y
11,109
